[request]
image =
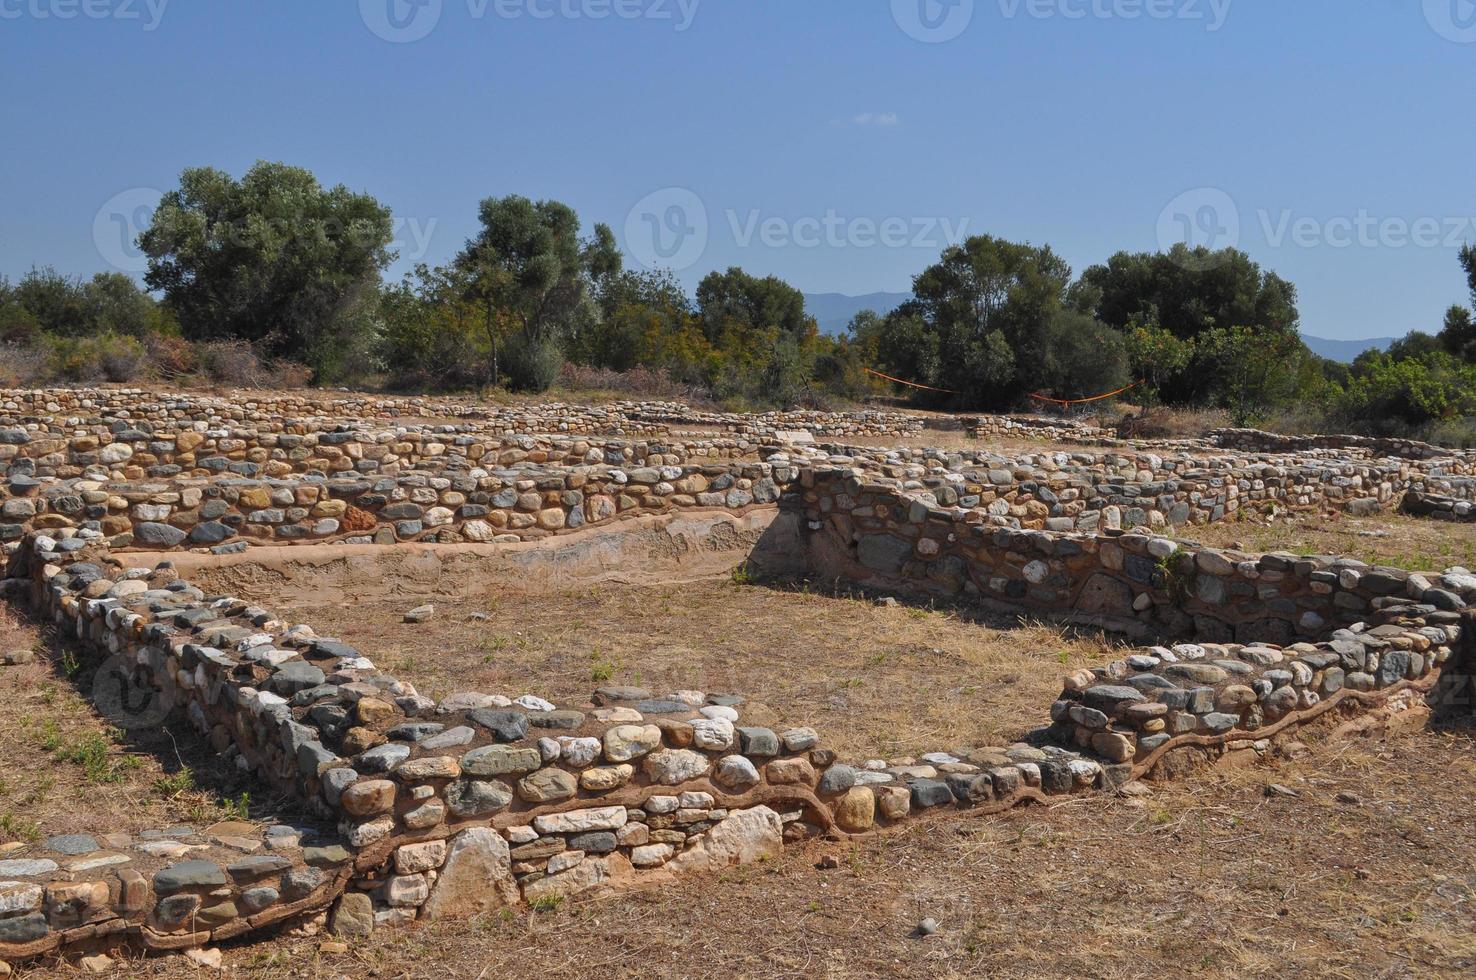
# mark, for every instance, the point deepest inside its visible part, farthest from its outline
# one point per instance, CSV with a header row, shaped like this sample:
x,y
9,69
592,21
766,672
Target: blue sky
x,y
837,143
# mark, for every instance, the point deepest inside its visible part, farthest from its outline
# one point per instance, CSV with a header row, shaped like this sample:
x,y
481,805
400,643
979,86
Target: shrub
x,y
171,357
533,364
105,357
638,382
23,366
1173,423
230,362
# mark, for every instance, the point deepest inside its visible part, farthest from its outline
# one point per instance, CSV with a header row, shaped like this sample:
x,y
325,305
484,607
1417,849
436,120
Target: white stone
x,y
477,877
673,766
651,855
741,838
713,734
581,821
19,896
563,861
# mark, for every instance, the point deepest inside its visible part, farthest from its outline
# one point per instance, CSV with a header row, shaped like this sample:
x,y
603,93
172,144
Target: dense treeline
x,y
248,278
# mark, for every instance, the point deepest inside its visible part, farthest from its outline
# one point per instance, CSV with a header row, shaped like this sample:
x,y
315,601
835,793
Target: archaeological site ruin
x,y
411,808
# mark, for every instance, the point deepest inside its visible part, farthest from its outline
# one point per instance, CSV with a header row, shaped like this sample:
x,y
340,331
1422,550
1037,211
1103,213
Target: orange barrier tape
x,y
910,384
1082,401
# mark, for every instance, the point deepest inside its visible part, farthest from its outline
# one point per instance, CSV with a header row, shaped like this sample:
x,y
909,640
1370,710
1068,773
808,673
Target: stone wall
x,y
123,452
1439,507
498,505
1038,427
409,485
99,406
1087,491
1254,440
486,799
877,534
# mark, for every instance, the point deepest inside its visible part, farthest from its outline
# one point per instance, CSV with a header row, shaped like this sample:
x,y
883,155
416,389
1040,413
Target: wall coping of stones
x,y
520,502
1086,491
621,418
102,405
1254,439
139,453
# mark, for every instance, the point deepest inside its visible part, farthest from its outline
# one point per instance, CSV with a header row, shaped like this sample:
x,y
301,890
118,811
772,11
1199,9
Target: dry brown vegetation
x,y
69,770
1416,544
875,681
1368,872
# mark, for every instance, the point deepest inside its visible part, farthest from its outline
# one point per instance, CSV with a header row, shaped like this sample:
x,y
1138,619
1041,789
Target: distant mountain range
x,y
834,312
1345,350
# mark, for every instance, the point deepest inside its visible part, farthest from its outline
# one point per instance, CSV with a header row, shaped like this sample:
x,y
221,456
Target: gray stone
x,y
74,845
883,552
353,918
23,929
836,780
473,798
505,725
188,874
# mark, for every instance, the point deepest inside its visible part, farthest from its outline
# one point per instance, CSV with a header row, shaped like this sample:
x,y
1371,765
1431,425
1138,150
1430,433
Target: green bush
x,y
105,357
1390,396
533,364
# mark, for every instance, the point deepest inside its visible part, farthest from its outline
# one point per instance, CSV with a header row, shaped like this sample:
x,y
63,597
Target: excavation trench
x,y
645,551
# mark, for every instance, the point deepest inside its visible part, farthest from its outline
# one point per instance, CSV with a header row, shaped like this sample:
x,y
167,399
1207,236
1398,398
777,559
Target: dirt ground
x,y
69,770
874,681
1412,543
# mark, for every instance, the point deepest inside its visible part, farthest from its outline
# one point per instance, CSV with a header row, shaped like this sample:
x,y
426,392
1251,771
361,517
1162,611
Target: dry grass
x,y
68,770
1416,544
874,681
1208,877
